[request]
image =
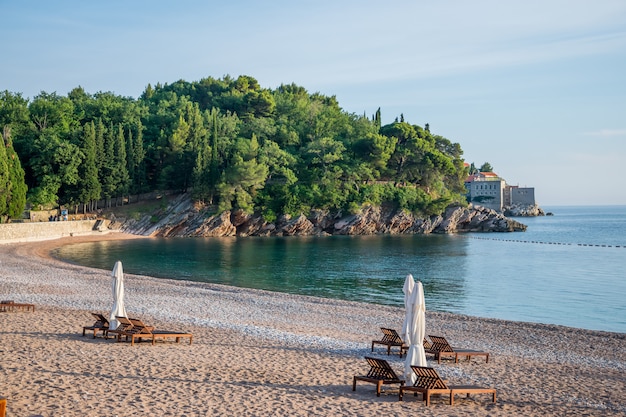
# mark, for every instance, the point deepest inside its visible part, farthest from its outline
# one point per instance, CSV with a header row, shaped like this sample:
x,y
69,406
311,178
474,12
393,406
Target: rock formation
x,y
183,218
519,210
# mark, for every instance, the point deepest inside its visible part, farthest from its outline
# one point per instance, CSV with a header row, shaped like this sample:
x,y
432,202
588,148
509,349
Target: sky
x,y
535,88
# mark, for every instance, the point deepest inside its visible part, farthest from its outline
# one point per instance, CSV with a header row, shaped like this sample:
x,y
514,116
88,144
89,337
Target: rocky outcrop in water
x,y
183,218
520,210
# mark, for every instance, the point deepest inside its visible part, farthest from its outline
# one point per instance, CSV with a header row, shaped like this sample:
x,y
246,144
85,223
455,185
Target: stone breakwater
x,y
182,218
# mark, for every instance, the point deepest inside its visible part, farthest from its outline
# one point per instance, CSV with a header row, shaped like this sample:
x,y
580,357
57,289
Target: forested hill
x,y
232,143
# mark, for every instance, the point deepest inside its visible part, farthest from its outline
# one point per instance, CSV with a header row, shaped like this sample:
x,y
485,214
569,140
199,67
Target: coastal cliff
x,y
183,218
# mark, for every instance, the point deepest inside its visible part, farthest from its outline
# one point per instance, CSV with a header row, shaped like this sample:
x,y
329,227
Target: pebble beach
x,y
259,353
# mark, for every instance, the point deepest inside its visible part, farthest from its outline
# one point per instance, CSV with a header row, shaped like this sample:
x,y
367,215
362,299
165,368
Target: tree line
x,y
228,141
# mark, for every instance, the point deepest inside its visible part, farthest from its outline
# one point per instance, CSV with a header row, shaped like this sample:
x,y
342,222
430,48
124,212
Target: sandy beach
x,y
258,353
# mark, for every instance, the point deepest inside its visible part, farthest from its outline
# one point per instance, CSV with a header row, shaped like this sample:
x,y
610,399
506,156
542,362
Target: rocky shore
x,y
184,218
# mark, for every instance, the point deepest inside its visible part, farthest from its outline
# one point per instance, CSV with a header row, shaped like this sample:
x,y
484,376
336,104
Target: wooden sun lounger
x,y
391,338
429,382
10,305
440,348
123,326
141,331
380,373
101,325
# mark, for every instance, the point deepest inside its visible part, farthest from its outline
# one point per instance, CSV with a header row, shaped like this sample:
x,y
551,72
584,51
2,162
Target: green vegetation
x,y
230,142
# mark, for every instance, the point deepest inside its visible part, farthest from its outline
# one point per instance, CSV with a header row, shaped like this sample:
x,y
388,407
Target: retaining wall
x,y
33,231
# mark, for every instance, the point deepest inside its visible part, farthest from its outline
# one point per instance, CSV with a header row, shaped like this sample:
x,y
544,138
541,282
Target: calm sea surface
x,y
567,269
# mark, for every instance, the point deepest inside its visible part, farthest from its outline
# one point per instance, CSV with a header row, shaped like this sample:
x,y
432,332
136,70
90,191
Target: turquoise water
x,y
566,269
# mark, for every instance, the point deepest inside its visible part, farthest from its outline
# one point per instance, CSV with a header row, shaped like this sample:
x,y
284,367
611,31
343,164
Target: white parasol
x,y
416,330
118,295
407,289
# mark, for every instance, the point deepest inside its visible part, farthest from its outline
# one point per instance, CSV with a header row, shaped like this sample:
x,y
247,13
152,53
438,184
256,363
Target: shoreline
x,y
44,249
297,354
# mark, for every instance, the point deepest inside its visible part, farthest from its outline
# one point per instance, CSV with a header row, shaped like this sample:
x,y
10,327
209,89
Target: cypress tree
x,y
377,121
107,173
90,187
17,184
130,158
214,163
138,157
123,178
5,192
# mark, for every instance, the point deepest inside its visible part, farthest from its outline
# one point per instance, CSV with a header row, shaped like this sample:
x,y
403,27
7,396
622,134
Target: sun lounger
x,y
10,305
429,382
123,326
139,330
380,373
427,345
391,338
441,348
101,325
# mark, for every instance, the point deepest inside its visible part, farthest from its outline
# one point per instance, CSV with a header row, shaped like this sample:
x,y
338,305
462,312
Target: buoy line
x,y
548,243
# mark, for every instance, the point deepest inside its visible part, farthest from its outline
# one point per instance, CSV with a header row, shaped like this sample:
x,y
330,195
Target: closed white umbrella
x,y
407,289
416,330
118,295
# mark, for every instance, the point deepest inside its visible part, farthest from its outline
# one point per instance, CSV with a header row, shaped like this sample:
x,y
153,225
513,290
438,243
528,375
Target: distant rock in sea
x,y
519,210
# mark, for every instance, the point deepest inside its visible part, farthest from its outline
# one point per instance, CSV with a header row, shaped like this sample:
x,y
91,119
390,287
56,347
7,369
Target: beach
x,y
258,353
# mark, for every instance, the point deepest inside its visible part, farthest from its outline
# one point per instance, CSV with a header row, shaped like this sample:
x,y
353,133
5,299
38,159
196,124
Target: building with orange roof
x,y
487,189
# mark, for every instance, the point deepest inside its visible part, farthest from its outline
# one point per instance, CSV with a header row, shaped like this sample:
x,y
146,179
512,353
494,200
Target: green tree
x,y
121,163
108,176
376,150
214,161
54,112
17,183
55,165
14,113
240,182
377,120
486,167
89,184
136,158
14,119
5,183
324,152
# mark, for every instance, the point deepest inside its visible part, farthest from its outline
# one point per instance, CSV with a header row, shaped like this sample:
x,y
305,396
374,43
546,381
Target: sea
x,y
567,268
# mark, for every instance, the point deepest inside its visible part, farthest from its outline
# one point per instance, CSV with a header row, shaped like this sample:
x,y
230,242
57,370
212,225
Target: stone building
x,y
487,189
515,195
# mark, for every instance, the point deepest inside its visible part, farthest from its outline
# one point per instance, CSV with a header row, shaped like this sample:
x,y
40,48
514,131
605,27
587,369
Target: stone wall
x,y
523,196
33,231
